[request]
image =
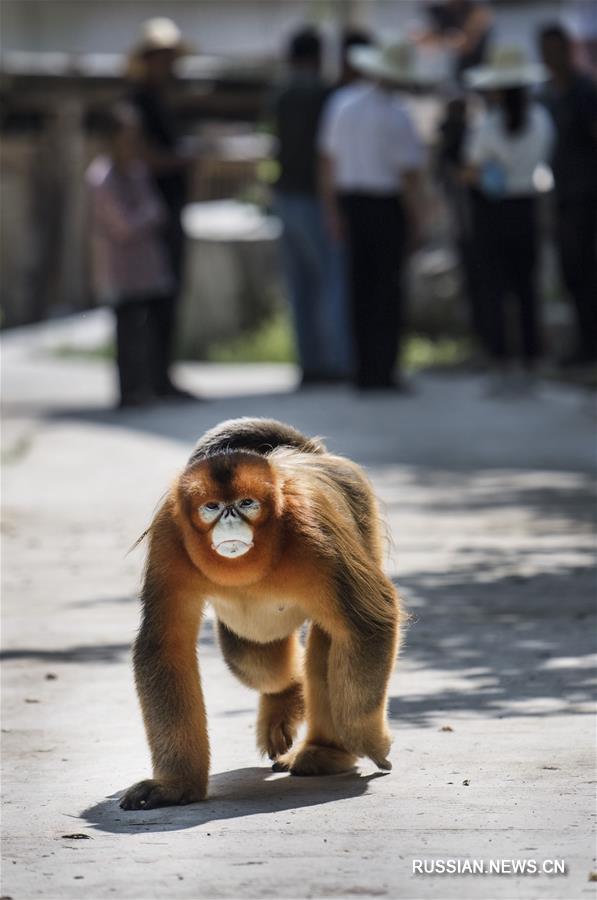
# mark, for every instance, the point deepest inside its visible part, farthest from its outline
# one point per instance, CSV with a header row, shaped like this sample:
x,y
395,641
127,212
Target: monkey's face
x,y
230,524
232,504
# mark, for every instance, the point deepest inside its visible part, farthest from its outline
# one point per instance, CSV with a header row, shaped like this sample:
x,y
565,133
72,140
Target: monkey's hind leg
x,y
275,670
322,752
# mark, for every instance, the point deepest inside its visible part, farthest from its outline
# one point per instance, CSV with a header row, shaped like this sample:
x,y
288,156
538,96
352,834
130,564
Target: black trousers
x,y
577,244
508,252
144,332
376,233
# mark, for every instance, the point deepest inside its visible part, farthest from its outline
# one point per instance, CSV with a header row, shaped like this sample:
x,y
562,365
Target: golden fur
x,y
316,556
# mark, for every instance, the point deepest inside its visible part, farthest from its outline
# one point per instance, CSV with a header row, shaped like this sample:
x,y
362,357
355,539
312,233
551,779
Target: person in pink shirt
x,y
131,269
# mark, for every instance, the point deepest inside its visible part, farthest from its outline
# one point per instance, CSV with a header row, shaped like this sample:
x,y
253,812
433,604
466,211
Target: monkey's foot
x,y
150,794
312,759
279,718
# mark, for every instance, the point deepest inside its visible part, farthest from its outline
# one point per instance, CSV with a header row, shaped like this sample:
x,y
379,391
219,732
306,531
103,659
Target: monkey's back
x,y
255,435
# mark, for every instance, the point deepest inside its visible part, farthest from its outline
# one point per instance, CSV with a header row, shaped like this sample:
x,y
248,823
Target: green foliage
x,y
106,350
271,342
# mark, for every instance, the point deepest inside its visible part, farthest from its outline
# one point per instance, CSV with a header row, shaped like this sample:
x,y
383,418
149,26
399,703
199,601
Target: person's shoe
x,y
136,399
391,385
321,379
172,392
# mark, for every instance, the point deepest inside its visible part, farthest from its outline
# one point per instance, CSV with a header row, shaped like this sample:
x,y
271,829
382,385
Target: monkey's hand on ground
x,y
279,718
152,793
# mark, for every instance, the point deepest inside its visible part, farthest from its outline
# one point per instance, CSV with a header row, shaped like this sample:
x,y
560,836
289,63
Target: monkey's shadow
x,y
232,795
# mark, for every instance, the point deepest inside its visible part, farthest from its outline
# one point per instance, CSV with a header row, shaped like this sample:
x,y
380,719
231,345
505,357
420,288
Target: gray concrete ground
x,y
491,512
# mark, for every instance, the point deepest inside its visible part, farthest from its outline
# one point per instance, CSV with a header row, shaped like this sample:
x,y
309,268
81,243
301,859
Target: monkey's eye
x,y
209,512
246,502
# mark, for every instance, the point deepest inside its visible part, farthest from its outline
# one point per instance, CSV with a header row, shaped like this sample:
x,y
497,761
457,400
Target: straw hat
x,y
159,33
394,61
507,67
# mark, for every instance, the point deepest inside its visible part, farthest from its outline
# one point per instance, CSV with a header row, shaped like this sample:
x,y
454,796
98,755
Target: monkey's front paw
x,y
151,793
279,740
279,718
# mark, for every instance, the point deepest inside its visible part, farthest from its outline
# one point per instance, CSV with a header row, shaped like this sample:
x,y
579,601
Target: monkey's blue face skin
x,y
232,534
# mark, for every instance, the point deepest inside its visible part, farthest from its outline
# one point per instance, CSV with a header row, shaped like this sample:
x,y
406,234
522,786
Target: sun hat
x,y
159,33
507,67
395,61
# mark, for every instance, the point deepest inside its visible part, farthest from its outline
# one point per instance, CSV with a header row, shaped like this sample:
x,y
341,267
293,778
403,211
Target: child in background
x,y
130,262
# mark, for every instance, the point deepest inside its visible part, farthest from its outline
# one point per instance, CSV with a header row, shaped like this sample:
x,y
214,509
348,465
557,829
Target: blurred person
x,y
513,138
350,82
375,157
463,27
131,265
151,73
571,98
580,18
462,202
296,109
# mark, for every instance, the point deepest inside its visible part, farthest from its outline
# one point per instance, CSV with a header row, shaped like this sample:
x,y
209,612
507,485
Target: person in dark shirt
x,y
461,26
152,73
571,97
295,111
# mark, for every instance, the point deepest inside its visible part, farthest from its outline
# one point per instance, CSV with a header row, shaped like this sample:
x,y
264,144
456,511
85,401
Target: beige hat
x,y
507,67
394,61
159,33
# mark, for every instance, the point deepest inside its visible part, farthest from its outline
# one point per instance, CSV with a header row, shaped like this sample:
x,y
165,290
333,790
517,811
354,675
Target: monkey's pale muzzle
x,y
232,537
232,548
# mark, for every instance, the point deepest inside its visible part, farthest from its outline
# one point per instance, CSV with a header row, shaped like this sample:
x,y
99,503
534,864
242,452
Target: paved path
x,y
490,509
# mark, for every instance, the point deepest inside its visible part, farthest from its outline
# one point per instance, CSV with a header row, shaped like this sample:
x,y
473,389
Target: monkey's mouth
x,y
231,549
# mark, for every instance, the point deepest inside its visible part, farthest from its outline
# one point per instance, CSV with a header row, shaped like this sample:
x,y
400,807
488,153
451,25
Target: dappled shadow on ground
x,y
568,498
504,646
232,795
90,653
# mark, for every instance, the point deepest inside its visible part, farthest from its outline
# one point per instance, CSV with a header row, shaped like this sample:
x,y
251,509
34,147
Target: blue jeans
x,y
307,267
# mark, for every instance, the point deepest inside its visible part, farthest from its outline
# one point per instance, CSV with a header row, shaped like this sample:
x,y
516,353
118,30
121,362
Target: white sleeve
x,y
476,146
410,152
328,136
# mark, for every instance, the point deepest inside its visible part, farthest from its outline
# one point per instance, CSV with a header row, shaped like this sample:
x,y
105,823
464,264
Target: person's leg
x,y
522,257
162,313
362,283
494,260
133,349
314,250
296,265
339,339
386,326
576,237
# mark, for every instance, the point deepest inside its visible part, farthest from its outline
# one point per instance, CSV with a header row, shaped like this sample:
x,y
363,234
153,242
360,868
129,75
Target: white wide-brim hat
x,y
395,61
508,67
160,33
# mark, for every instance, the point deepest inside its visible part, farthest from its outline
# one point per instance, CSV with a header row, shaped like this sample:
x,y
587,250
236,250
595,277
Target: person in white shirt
x,y
512,140
370,188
